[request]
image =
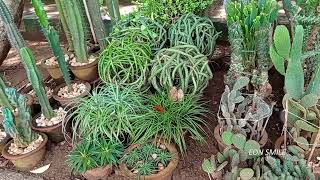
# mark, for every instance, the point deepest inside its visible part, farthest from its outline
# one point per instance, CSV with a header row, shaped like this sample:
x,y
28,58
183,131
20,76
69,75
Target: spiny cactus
x,y
94,16
27,58
53,39
76,24
114,12
4,101
18,124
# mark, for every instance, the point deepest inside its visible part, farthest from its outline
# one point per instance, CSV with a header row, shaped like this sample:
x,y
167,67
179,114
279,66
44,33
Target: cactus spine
x,y
28,60
94,16
114,12
76,24
4,101
53,39
17,125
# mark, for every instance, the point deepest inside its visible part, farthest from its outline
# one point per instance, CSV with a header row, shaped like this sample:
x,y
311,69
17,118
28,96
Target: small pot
x,y
70,101
87,72
98,173
165,174
4,142
263,141
53,70
29,160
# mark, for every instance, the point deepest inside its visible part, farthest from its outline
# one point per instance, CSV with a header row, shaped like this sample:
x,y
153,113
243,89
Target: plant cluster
x,y
146,159
125,62
168,11
194,30
90,154
181,66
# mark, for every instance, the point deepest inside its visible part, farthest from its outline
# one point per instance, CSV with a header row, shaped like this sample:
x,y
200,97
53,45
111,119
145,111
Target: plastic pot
x,y
70,101
98,173
87,72
222,146
165,174
29,160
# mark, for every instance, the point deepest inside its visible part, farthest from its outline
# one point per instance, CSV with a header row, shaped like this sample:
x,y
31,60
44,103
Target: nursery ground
x,y
189,167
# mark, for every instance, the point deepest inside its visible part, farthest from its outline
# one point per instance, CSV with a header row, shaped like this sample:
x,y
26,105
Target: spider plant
x,y
125,62
171,120
108,112
145,159
93,154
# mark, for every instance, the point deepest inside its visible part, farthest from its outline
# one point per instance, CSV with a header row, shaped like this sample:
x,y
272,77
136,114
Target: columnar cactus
x,y
114,12
18,123
4,101
53,39
28,60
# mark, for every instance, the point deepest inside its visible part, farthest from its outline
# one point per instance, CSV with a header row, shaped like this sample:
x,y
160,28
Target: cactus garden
x,y
160,90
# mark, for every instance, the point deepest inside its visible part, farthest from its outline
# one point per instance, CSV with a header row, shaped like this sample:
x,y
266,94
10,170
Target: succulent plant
x,y
114,12
53,39
243,113
28,59
4,101
181,66
194,30
213,168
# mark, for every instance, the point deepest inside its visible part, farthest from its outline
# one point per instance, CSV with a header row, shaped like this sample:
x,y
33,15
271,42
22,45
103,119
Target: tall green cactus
x,y
53,39
114,11
4,101
18,126
28,60
76,24
94,14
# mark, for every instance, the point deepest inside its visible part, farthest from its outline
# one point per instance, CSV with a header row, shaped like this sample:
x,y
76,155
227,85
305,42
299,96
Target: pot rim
x,y
168,170
94,63
8,156
43,64
58,98
48,128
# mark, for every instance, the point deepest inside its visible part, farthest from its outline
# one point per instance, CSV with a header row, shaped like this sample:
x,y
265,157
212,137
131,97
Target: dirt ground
x,y
189,167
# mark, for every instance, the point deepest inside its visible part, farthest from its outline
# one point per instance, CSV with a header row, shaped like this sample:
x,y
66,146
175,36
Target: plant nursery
x,y
159,89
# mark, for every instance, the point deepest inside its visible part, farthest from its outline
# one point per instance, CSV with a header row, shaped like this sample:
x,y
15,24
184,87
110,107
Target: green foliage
x,y
76,25
194,30
108,112
27,58
53,39
4,101
90,154
18,124
145,159
182,66
210,166
125,63
171,120
168,11
246,173
114,12
138,28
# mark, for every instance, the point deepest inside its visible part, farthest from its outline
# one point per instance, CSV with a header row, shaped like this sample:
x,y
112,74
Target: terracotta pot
x,y
165,174
87,72
100,173
29,160
70,101
222,146
54,133
53,70
4,142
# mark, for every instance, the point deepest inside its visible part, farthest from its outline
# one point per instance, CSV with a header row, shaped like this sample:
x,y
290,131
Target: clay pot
x,y
4,142
29,160
222,146
165,174
87,72
53,70
100,173
70,102
54,133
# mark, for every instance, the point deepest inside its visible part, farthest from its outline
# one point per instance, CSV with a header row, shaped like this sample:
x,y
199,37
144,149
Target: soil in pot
x,y
70,98
85,71
100,173
164,173
29,157
217,135
52,127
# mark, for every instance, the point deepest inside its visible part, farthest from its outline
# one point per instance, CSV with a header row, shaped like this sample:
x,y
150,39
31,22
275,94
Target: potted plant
x,y
213,168
33,74
27,148
242,113
171,117
194,30
150,161
95,159
125,63
181,66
